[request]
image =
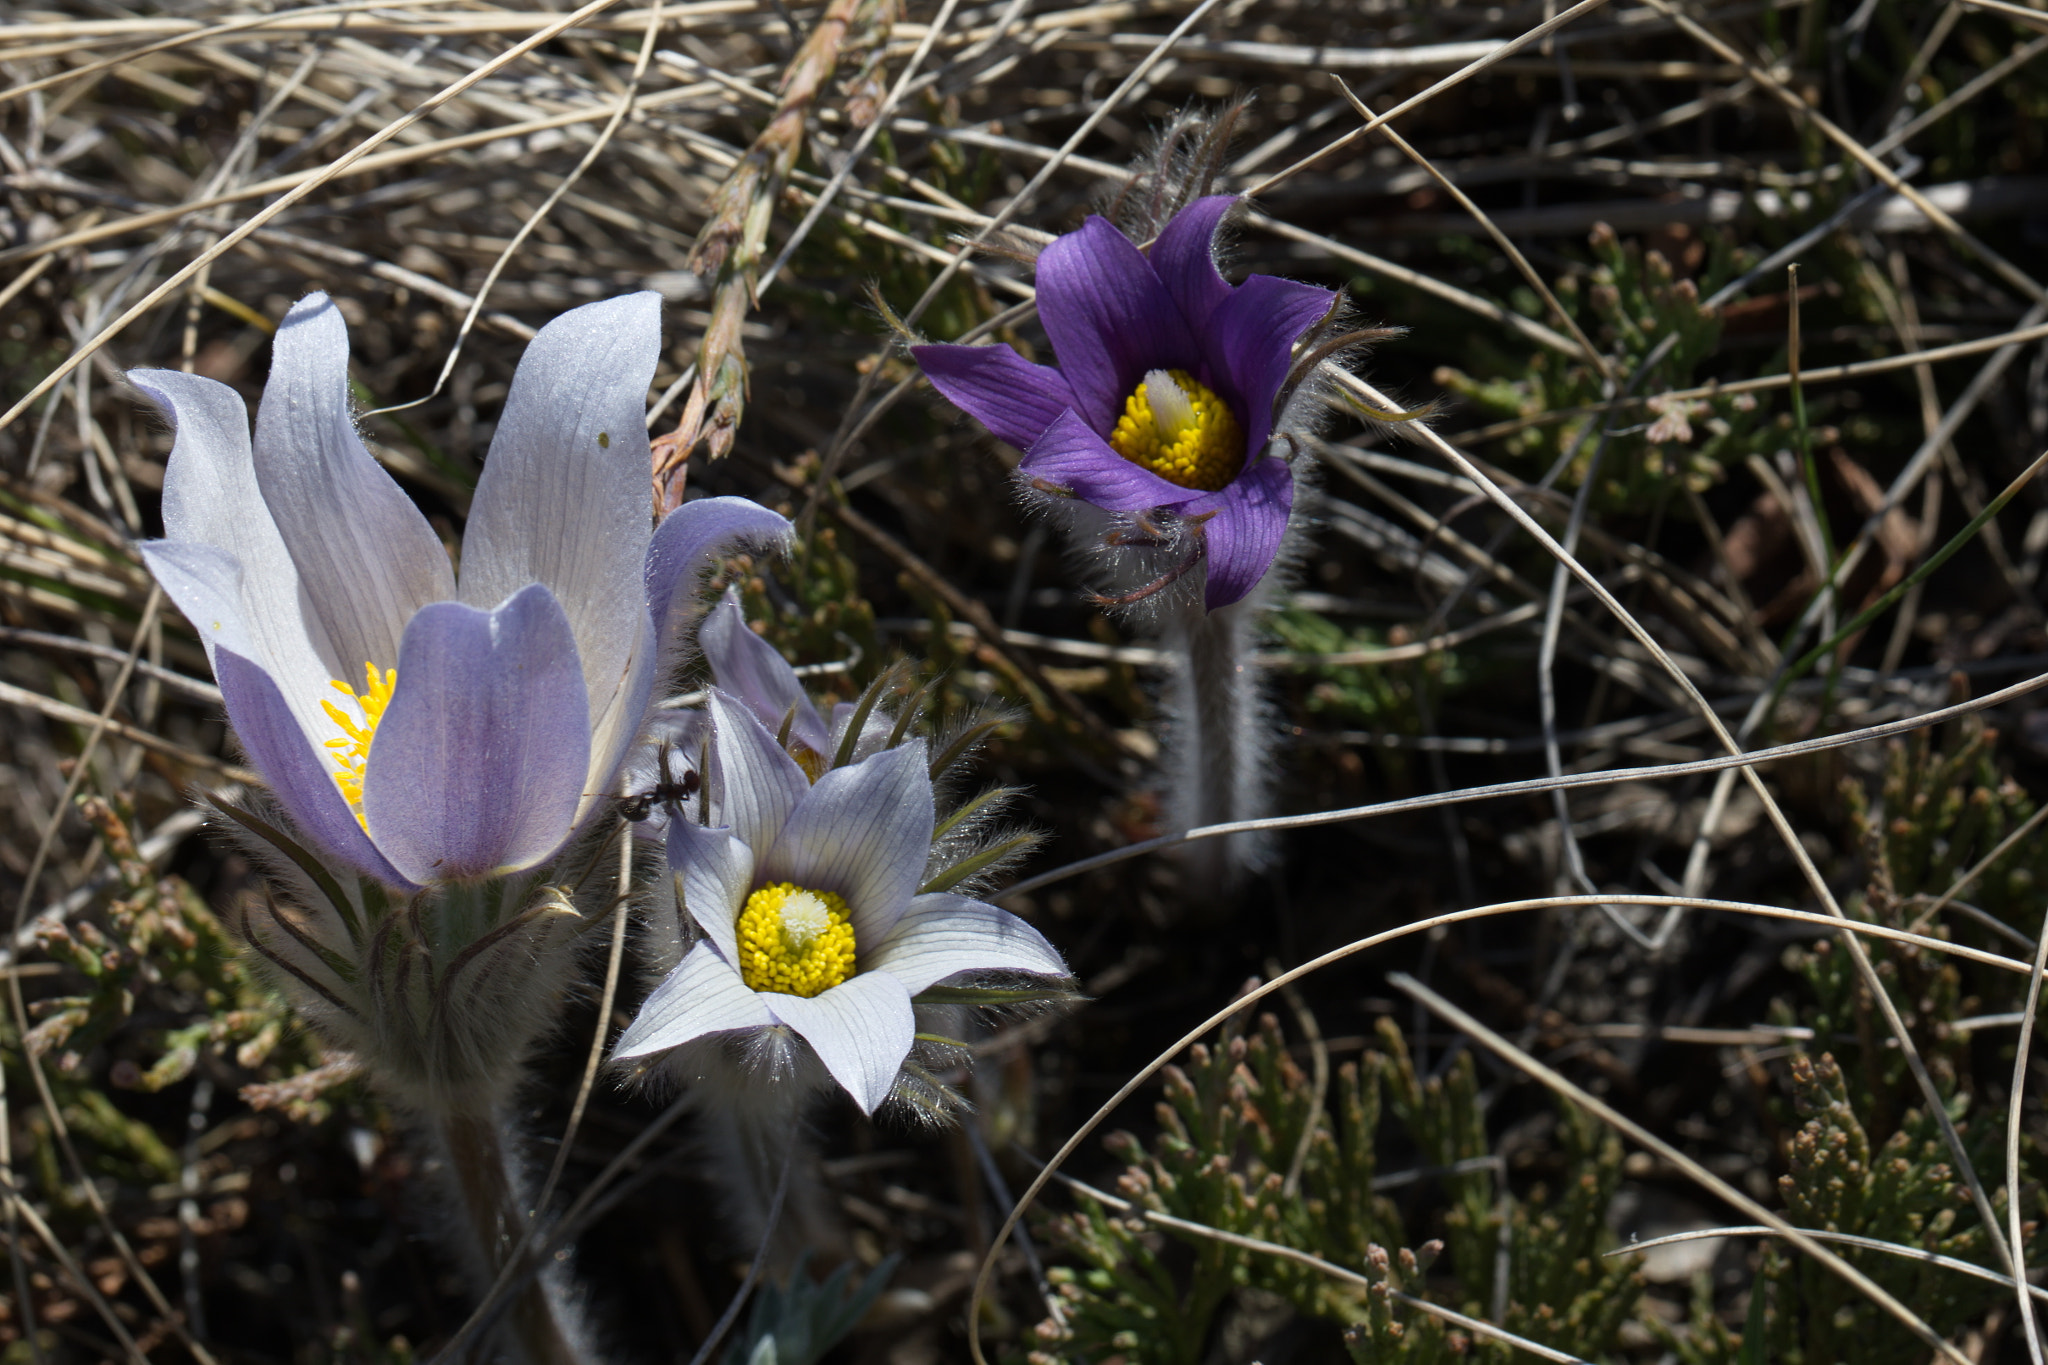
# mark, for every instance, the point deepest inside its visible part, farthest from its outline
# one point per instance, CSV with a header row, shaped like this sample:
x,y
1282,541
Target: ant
x,y
668,791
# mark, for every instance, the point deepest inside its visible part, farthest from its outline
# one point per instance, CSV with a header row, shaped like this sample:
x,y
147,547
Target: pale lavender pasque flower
x,y
416,727
816,897
430,742
1170,384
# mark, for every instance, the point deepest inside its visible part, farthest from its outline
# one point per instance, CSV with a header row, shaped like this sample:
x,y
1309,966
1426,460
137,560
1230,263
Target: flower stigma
x,y
1177,427
352,750
794,941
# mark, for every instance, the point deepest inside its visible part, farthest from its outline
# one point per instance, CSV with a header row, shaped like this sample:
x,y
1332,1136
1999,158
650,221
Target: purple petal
x,y
1073,457
480,758
861,1030
1013,398
865,832
755,785
714,873
563,499
1185,259
704,994
1244,535
367,559
747,667
296,771
684,546
1109,317
944,935
1250,344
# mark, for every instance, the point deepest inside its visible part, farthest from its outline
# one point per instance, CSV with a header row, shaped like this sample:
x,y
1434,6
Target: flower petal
x,y
944,935
714,872
755,785
367,559
861,1030
1185,259
481,754
297,772
1073,457
563,498
1244,535
620,720
683,548
749,669
704,994
1013,398
1109,317
212,506
1250,346
865,832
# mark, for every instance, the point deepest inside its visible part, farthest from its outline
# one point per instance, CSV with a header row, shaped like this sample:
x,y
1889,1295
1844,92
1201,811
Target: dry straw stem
x,y
1811,873
1908,1253
1528,786
60,1129
86,349
1699,1174
729,247
1840,928
1477,1326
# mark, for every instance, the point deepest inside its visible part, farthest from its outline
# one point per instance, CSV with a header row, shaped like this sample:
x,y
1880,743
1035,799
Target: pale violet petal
x,y
747,667
367,559
688,543
298,773
865,832
212,504
944,935
755,785
714,873
620,722
481,755
564,498
861,1030
704,994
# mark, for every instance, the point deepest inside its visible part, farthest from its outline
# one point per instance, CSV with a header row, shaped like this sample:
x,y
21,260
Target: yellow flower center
x,y
352,751
1180,430
795,941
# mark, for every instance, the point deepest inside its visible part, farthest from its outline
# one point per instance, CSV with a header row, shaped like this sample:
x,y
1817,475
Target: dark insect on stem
x,y
669,791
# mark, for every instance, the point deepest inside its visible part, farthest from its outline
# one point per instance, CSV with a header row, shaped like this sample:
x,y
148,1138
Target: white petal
x,y
944,935
564,498
864,831
367,560
713,872
861,1029
757,785
702,995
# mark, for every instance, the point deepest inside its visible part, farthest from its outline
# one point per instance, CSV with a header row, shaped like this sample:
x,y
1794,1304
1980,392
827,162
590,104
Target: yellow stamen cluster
x,y
795,941
352,751
1179,429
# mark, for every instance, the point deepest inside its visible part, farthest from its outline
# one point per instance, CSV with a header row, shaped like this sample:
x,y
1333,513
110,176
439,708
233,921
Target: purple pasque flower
x,y
807,899
1164,399
418,727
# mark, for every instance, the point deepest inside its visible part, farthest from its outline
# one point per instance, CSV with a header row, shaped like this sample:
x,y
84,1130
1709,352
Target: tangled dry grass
x,y
1526,630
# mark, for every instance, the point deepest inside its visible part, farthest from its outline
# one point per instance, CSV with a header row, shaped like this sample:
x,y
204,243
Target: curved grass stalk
x,y
1251,997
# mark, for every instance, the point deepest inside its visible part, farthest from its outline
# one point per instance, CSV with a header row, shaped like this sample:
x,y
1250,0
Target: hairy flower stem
x,y
486,1184
1219,736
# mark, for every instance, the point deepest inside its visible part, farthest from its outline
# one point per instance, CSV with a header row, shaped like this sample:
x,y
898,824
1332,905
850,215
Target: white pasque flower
x,y
807,897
